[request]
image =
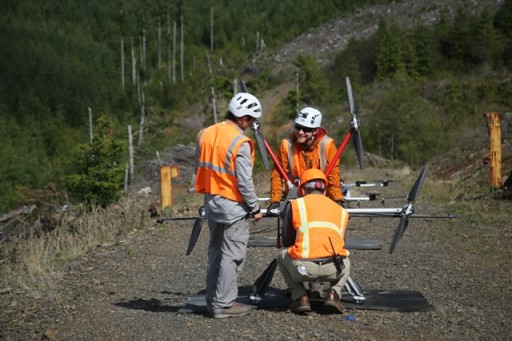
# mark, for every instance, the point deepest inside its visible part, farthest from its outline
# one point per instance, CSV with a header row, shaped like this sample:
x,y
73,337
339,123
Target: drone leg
x,y
354,290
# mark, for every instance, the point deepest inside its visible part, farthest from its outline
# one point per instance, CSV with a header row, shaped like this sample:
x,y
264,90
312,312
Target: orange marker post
x,y
166,175
495,156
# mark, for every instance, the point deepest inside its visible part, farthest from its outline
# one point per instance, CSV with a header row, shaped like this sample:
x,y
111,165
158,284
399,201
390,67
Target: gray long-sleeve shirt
x,y
227,211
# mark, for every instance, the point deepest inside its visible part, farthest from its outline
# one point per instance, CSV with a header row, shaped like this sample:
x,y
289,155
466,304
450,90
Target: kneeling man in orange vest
x,y
314,236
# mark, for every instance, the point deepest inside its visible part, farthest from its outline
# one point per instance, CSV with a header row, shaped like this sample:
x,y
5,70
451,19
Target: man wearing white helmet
x,y
224,165
307,147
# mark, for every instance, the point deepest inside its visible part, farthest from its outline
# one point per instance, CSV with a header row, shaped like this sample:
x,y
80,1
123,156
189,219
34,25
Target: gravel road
x,y
133,290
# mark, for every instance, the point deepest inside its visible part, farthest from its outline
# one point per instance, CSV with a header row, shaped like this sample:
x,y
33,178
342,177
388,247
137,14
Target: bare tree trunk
x,y
181,50
168,47
130,146
174,55
142,114
159,45
143,56
122,63
158,158
214,103
126,172
90,125
211,25
134,65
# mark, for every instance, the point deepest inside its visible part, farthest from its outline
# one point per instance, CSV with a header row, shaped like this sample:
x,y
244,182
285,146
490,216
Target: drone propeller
x,y
354,123
260,140
407,210
243,88
352,133
196,230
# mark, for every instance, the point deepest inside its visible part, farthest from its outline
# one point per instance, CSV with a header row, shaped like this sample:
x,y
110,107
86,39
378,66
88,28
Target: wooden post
x,y
166,174
495,156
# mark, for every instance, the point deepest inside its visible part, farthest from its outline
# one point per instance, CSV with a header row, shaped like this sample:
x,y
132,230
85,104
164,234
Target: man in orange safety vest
x,y
314,236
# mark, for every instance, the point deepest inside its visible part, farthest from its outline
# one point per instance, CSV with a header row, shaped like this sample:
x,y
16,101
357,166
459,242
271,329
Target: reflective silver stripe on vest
x,y
227,167
323,154
304,227
290,159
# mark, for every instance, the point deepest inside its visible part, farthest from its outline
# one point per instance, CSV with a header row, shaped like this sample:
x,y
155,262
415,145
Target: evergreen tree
x,y
424,47
98,168
314,88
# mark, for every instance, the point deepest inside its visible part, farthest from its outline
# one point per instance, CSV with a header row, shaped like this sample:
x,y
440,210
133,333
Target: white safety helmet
x,y
309,117
243,104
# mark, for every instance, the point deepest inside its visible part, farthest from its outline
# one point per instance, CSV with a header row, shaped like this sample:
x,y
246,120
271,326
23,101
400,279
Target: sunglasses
x,y
298,127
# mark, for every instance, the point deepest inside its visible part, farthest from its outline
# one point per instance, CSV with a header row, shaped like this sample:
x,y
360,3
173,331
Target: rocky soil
x,y
133,290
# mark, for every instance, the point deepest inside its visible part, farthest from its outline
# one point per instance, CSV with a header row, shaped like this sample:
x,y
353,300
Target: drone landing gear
x,y
354,290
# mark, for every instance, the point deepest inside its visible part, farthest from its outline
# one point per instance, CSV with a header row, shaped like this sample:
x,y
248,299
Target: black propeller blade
x,y
356,136
408,210
358,145
260,141
243,88
261,284
196,230
400,230
417,186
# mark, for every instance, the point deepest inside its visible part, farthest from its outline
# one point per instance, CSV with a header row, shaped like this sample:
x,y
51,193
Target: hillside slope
x,y
331,38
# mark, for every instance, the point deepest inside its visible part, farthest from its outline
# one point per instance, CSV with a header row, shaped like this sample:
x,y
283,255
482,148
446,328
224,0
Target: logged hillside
x,y
326,41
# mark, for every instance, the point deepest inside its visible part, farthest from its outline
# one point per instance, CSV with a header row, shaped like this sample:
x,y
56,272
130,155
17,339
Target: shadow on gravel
x,y
152,305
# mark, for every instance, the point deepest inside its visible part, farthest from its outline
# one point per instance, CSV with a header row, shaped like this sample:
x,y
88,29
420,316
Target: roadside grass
x,y
33,261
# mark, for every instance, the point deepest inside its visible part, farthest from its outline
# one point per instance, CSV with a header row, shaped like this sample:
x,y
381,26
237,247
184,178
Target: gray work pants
x,y
226,256
325,272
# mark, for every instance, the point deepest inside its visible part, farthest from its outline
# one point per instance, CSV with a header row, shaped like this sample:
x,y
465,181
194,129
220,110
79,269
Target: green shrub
x,y
99,172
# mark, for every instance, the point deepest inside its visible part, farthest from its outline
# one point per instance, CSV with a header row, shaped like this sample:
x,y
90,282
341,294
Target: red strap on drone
x,y
277,164
338,152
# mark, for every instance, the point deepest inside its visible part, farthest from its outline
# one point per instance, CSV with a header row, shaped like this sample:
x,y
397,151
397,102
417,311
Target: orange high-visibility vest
x,y
297,164
319,221
216,149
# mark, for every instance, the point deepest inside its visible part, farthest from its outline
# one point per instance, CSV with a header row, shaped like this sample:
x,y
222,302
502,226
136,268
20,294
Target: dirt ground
x,y
133,290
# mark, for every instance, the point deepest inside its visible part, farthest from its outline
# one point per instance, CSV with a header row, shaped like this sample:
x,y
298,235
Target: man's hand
x,y
257,217
273,209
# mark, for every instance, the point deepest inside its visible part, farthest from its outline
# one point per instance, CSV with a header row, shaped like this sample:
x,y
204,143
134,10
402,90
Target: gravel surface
x,y
133,290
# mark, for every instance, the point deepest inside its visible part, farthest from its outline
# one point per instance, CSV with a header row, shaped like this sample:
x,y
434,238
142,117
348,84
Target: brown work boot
x,y
301,305
333,303
237,309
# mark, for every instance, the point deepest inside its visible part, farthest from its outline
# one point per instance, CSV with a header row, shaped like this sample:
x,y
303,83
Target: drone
x,y
354,293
